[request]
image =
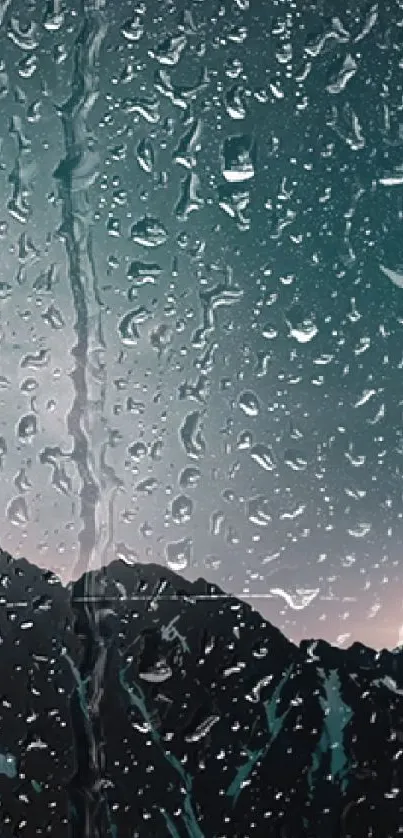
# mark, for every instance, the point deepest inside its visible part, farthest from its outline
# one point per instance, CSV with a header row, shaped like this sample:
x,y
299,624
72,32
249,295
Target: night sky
x,y
201,299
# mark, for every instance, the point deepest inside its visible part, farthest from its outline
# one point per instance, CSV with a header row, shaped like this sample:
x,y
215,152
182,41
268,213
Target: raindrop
x,y
189,477
5,290
238,159
395,276
137,450
234,102
27,427
143,273
295,460
217,521
301,328
127,329
202,729
145,155
156,450
53,317
258,511
181,509
126,554
17,511
360,530
25,37
22,482
297,600
249,403
147,486
160,338
27,66
133,29
189,199
149,232
188,145
263,456
341,76
53,20
178,554
169,50
36,360
244,441
157,674
29,385
191,436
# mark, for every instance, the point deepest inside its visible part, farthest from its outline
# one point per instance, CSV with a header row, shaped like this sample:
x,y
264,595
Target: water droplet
x,y
178,554
22,482
17,511
301,328
217,521
238,159
395,276
145,155
248,403
191,436
133,29
181,509
160,338
127,329
189,477
147,486
258,511
297,600
53,317
169,50
126,554
244,441
156,450
149,232
36,360
295,460
235,102
341,75
27,66
143,273
360,530
263,456
137,450
157,674
27,427
29,385
202,729
5,290
189,199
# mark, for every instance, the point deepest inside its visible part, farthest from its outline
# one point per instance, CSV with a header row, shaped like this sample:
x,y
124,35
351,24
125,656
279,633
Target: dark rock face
x,y
36,682
186,715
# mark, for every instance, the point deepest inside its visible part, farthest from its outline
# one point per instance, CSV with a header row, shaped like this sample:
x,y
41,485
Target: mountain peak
x,y
171,707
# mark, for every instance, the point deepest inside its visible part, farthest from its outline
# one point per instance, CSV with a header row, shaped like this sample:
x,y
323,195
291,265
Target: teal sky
x,y
213,220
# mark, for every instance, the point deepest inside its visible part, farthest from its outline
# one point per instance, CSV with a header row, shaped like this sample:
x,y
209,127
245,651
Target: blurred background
x,y
201,299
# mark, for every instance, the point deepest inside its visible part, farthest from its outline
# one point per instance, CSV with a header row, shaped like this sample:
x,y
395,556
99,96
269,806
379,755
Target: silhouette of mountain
x,y
168,708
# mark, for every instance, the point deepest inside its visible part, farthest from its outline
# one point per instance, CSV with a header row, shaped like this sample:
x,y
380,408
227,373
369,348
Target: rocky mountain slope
x,y
167,708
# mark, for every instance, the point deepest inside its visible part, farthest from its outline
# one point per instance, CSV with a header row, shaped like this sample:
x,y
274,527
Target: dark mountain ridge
x,y
136,704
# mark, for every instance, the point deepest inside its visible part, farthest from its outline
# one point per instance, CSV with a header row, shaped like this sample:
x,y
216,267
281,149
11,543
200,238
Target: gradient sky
x,y
249,428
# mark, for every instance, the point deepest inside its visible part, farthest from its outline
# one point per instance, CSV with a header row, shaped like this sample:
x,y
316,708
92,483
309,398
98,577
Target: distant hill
x,y
167,708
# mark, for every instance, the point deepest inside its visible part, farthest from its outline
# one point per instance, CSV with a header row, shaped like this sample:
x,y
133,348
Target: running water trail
x,y
76,173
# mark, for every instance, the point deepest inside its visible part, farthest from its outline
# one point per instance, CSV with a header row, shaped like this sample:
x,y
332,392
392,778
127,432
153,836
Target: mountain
x,y
136,704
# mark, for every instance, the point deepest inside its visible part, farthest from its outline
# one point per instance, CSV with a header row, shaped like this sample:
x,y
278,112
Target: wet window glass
x,y
201,440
